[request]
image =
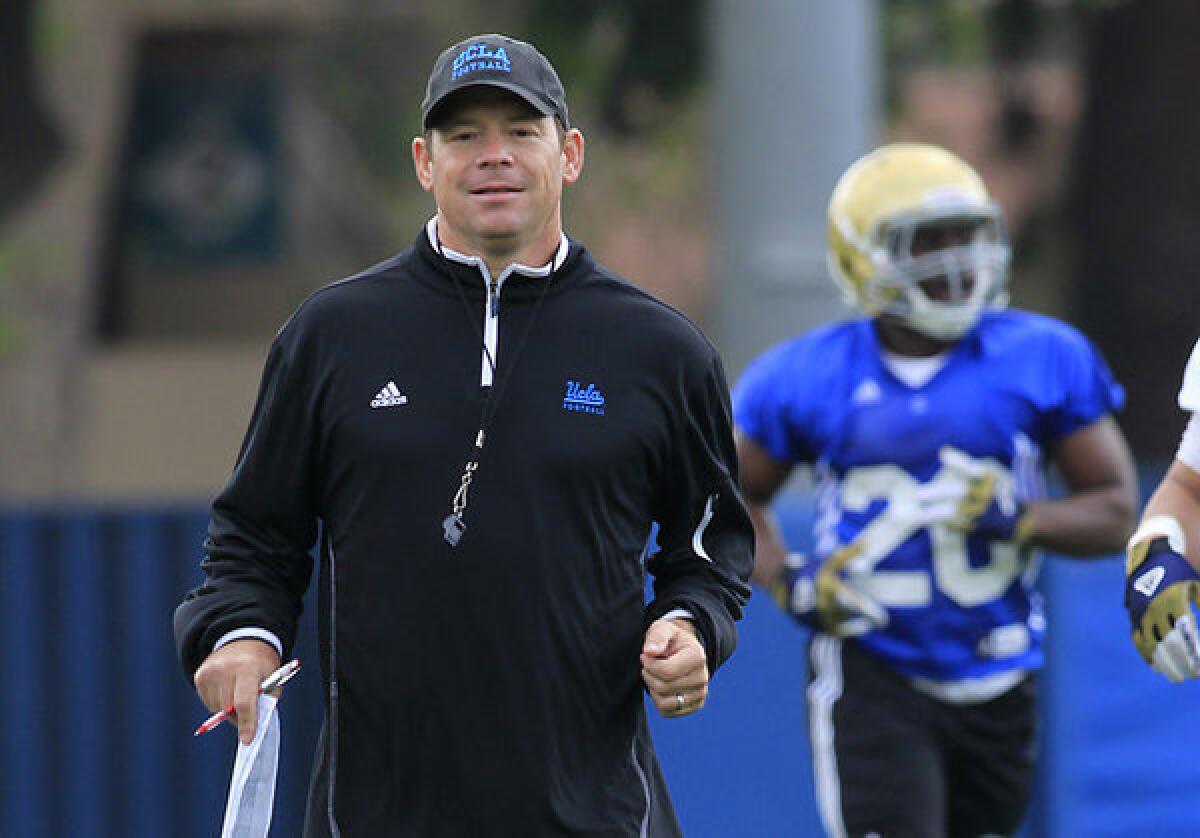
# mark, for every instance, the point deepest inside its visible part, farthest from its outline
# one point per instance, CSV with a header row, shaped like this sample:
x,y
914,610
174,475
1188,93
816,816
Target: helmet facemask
x,y
937,272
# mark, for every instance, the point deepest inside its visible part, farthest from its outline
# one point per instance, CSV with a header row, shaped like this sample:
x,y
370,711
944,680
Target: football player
x,y
928,422
1161,582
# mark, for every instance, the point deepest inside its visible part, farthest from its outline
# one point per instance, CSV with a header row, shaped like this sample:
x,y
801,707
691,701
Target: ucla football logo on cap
x,y
480,57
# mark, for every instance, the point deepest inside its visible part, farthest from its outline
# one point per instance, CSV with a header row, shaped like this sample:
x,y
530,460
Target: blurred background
x,y
176,176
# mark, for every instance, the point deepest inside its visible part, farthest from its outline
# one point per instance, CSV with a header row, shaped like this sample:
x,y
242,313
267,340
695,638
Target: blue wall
x,y
95,731
96,718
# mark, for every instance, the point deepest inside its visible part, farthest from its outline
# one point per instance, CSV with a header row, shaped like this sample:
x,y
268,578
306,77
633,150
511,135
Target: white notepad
x,y
252,787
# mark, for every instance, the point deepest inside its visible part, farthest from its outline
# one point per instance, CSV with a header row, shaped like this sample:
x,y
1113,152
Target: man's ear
x,y
423,161
572,155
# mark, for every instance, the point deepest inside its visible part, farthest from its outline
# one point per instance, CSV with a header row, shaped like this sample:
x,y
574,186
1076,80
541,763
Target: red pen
x,y
273,681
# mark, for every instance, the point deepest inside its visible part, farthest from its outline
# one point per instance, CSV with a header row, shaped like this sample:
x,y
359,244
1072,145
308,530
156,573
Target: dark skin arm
x,y
761,476
1096,517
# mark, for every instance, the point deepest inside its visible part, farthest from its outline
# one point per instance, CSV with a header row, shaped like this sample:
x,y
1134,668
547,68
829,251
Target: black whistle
x,y
453,528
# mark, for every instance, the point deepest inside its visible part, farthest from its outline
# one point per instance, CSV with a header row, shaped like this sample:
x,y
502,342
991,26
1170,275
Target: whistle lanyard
x,y
455,524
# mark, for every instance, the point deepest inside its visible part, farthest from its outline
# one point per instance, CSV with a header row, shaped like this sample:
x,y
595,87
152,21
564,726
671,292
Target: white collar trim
x,y
545,270
914,371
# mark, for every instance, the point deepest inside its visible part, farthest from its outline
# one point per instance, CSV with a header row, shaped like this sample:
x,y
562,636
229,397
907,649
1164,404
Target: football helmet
x,y
886,210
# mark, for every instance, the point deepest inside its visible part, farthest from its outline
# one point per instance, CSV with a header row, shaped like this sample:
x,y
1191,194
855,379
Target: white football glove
x,y
967,496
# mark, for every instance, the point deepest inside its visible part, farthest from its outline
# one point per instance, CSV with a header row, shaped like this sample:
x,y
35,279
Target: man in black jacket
x,y
485,426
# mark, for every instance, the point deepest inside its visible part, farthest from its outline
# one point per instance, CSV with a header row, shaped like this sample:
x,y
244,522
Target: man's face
x,y
496,167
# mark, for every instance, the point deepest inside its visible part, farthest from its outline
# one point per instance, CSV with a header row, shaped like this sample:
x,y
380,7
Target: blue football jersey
x,y
959,606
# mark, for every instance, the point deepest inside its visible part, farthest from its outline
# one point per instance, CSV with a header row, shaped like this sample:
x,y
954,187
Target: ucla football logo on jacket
x,y
583,399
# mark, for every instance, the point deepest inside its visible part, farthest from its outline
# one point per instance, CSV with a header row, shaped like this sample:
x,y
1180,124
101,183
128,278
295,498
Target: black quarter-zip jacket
x,y
493,688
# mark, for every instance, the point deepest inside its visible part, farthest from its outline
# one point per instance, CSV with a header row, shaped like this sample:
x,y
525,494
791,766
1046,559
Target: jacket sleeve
x,y
264,522
705,534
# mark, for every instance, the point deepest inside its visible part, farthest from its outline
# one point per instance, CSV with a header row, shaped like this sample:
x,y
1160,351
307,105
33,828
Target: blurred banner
x,y
203,185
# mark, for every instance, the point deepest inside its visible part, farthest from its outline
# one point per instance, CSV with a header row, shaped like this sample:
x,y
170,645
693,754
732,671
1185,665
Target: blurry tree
x,y
29,143
1015,30
1126,229
919,33
1135,205
632,58
364,71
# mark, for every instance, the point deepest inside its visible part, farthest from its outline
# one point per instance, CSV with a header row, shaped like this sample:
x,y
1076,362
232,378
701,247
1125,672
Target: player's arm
x,y
761,477
1096,516
816,593
1177,497
1161,580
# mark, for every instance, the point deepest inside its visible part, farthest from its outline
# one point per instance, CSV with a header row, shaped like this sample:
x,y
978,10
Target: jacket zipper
x,y
491,327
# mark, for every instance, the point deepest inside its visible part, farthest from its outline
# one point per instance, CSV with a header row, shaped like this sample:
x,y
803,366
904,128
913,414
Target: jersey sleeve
x,y
705,534
1189,445
1189,399
1189,391
263,523
1087,389
766,411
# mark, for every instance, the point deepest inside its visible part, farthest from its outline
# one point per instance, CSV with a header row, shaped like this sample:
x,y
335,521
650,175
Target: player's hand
x,y
1160,587
969,498
674,667
819,594
233,675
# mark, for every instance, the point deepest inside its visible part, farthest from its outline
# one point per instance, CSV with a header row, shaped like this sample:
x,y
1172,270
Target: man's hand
x,y
1160,587
231,676
970,499
674,667
820,595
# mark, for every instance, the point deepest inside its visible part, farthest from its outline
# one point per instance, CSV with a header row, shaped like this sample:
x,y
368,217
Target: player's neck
x,y
900,339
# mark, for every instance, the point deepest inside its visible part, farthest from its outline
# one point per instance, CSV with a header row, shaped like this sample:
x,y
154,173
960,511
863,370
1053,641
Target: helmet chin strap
x,y
949,320
944,322
898,335
937,321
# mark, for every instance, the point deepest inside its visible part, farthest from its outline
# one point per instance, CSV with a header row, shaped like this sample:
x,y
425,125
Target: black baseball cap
x,y
496,61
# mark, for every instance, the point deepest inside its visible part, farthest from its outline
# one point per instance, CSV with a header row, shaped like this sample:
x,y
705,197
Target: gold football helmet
x,y
914,235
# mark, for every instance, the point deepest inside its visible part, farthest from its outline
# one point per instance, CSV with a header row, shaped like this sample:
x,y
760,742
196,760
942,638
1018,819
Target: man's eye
x,y
460,136
524,132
